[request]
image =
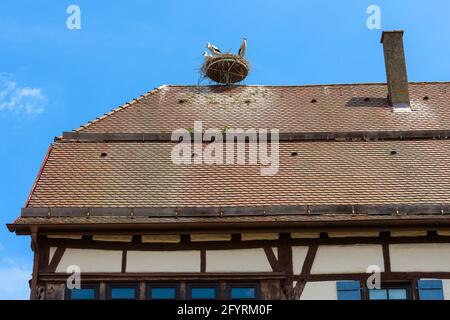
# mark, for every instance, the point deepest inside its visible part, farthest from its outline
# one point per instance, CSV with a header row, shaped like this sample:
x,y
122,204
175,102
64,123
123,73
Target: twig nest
x,y
226,68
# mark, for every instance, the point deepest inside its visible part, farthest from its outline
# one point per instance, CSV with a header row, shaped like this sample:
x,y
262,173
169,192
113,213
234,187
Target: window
x,y
122,291
162,291
430,290
86,292
243,291
348,290
202,291
391,292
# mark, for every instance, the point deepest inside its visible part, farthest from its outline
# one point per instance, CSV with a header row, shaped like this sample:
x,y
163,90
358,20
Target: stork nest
x,y
226,68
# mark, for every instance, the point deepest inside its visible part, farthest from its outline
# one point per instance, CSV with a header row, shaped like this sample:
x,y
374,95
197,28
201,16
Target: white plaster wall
x,y
347,258
298,258
431,257
240,260
320,290
446,288
52,251
163,261
90,260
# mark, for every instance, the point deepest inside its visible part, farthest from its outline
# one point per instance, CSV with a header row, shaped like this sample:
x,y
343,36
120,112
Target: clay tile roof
x,y
359,107
140,174
136,174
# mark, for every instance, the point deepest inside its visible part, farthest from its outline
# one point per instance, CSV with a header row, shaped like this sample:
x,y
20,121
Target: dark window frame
x,y
95,286
150,286
110,286
189,287
395,285
231,285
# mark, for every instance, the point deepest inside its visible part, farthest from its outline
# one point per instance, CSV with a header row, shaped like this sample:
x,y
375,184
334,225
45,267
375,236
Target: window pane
x,y
349,295
203,293
431,294
123,293
243,293
397,294
163,293
376,294
83,294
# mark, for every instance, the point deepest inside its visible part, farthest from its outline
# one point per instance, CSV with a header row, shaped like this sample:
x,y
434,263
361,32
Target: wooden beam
x,y
272,211
285,263
44,254
224,225
306,271
386,253
166,276
70,136
385,276
203,260
35,274
309,260
124,261
285,254
102,291
182,290
186,244
142,290
56,259
272,259
222,294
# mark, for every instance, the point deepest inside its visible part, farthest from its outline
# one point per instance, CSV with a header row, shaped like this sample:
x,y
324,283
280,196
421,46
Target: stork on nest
x,y
226,68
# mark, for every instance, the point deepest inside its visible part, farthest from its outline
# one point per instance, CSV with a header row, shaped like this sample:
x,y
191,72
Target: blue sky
x,y
53,79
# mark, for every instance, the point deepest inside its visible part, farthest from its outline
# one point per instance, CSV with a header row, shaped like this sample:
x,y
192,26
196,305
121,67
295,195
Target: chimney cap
x,y
391,32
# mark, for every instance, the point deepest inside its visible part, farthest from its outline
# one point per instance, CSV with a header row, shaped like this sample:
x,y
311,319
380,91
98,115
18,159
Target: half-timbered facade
x,y
363,185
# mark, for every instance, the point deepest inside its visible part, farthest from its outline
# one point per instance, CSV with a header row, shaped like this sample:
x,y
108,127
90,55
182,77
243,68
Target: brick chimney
x,y
397,79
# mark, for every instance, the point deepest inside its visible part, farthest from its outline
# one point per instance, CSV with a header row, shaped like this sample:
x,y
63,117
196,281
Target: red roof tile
x,y
289,109
141,174
134,174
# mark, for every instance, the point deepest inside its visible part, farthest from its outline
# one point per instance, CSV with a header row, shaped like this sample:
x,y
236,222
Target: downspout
x,y
35,274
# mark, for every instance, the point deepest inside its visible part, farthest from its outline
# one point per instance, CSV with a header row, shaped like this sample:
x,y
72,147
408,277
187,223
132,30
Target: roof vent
x,y
397,79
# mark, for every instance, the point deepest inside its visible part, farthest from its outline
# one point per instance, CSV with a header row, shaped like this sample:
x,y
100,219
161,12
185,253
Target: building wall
x,y
420,257
347,258
89,260
243,260
319,290
446,285
163,261
333,258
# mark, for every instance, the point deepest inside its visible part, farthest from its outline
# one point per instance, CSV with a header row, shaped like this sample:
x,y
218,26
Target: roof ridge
x,y
303,85
341,86
121,107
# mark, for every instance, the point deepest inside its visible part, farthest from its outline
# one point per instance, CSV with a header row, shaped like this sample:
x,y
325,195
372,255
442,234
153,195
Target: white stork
x,y
213,49
207,55
243,48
